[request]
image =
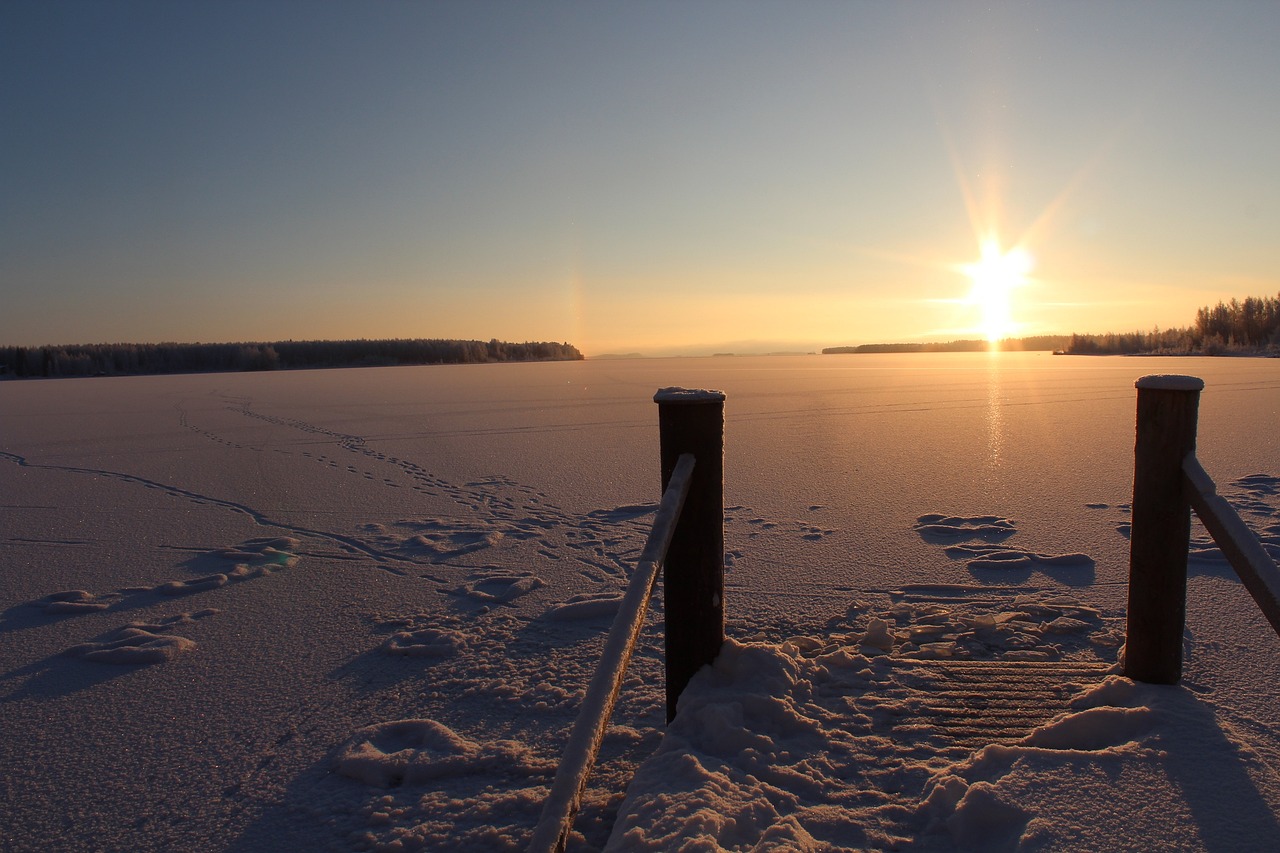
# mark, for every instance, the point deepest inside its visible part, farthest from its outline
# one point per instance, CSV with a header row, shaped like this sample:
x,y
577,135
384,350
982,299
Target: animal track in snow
x,y
1253,497
813,533
140,642
759,525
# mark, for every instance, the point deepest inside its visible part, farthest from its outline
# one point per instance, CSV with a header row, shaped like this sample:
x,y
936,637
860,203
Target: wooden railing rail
x,y
1241,546
683,543
1168,482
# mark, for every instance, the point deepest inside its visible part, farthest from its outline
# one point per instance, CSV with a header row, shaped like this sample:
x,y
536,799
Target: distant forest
x,y
132,359
1251,327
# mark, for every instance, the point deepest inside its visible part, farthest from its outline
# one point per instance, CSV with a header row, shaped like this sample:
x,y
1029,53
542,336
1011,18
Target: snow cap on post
x,y
687,395
1169,382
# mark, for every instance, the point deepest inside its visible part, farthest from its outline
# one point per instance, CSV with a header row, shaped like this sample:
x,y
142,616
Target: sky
x,y
652,177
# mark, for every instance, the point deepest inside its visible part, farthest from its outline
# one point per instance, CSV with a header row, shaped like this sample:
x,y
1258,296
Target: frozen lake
x,y
463,507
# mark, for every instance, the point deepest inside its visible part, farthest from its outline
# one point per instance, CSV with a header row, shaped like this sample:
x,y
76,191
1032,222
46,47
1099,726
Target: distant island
x,y
137,359
1239,327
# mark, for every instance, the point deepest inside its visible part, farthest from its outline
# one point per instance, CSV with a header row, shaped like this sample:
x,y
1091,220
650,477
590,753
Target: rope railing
x,y
1168,483
686,542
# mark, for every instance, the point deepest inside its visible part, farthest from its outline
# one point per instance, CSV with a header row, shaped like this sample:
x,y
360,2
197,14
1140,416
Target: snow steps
x,y
969,704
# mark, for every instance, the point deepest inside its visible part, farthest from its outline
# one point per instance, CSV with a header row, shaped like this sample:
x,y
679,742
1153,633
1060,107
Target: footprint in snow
x,y
253,559
73,601
140,643
999,557
274,551
623,513
951,622
425,643
499,588
586,606
435,539
1258,484
410,752
938,526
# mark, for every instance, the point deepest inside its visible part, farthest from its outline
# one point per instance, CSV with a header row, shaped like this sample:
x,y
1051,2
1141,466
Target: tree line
x,y
134,359
1249,326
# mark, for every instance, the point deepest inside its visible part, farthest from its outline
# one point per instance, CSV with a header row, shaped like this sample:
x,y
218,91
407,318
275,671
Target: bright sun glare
x,y
994,278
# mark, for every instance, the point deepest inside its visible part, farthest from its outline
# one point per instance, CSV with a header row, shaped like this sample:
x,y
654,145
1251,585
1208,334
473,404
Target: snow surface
x,y
357,610
1169,382
687,395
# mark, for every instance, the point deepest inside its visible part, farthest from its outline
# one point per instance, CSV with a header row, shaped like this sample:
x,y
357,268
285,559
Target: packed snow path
x,y
840,740
959,706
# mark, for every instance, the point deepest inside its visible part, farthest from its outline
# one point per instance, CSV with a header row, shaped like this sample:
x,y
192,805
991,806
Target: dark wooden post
x,y
1161,528
693,586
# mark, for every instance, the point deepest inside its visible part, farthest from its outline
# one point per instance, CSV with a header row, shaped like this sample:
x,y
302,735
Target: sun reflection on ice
x,y
995,413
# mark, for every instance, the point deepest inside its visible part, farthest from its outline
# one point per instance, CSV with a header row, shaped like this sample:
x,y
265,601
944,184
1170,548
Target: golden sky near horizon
x,y
649,177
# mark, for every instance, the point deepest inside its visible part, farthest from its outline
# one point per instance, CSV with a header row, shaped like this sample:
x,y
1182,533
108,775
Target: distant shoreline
x,y
1039,343
1248,328
897,349
92,360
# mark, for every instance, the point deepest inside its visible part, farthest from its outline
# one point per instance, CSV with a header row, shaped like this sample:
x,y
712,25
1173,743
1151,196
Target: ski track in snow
x,y
347,543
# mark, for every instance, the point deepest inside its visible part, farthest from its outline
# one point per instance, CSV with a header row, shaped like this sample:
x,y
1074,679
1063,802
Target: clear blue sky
x,y
628,176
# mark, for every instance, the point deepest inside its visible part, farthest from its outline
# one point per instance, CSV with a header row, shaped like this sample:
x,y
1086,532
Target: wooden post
x,y
1161,527
693,586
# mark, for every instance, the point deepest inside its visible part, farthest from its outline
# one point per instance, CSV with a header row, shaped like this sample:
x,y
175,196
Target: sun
x,y
994,277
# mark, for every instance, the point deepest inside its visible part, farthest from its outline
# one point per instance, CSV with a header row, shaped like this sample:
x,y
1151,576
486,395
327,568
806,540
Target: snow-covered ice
x,y
357,610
